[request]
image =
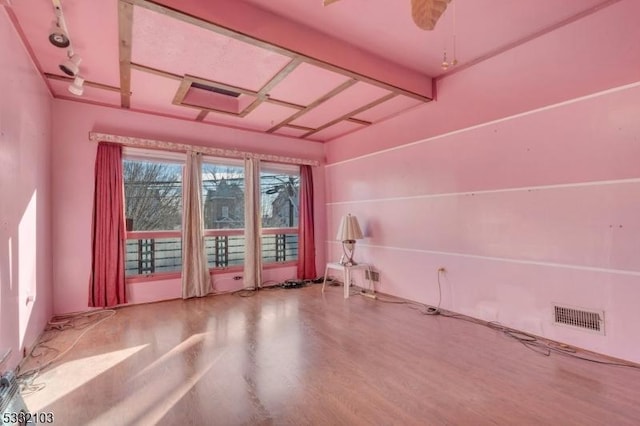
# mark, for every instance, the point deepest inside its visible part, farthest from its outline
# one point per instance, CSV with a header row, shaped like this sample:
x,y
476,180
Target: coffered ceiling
x,y
287,67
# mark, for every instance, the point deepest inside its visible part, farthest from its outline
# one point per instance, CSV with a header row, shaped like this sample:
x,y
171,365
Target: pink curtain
x,y
107,287
306,243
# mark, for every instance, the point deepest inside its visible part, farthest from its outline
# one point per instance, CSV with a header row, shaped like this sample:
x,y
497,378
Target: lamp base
x,y
347,262
348,248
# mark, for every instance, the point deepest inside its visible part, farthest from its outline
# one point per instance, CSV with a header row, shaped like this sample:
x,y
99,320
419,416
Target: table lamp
x,y
348,232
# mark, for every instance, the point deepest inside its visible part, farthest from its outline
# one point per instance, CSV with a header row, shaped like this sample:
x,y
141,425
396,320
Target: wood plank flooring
x,y
301,357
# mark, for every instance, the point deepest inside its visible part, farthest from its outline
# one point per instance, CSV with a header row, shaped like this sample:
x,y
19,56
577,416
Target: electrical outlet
x,y
237,277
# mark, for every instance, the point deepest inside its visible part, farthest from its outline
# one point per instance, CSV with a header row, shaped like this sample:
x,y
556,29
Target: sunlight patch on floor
x,y
71,375
176,350
155,398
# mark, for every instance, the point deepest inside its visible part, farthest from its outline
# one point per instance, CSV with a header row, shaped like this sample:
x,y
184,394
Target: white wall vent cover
x,y
579,318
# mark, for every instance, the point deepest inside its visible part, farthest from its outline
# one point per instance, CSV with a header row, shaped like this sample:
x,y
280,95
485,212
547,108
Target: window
x,y
279,188
153,203
223,211
153,212
153,194
279,203
223,194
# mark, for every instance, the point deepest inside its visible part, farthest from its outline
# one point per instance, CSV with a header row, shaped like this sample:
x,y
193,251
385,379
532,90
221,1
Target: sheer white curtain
x,y
196,281
252,225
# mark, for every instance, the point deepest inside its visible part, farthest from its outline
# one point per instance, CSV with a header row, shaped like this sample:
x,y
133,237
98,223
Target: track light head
x,y
71,66
77,87
58,37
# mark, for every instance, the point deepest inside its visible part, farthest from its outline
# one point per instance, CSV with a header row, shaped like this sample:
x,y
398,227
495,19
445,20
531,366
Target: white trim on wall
x,y
490,191
500,259
489,123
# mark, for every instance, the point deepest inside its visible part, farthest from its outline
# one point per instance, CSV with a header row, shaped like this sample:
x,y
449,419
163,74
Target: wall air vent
x,y
568,316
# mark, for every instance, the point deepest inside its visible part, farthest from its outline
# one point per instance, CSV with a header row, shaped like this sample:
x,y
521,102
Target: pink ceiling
x,y
304,52
155,93
165,43
306,84
92,39
339,129
385,27
350,99
289,131
262,118
387,109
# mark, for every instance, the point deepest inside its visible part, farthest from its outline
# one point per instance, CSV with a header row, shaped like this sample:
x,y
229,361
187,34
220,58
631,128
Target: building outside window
x,y
153,206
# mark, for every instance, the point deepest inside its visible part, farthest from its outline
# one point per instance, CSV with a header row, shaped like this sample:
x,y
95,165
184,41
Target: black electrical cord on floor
x,y
536,345
527,340
421,307
246,292
250,292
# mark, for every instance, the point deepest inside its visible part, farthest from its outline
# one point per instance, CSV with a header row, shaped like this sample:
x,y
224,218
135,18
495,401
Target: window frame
x,y
133,154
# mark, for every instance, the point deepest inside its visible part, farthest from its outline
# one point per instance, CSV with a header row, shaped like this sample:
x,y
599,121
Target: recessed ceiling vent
x,y
204,95
568,316
215,89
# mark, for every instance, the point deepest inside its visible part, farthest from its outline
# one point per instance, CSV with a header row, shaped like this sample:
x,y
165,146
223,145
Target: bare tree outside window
x,y
153,202
153,195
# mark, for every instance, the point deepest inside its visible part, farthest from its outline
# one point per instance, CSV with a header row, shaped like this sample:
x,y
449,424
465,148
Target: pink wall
x,y
593,54
73,159
25,246
526,200
524,213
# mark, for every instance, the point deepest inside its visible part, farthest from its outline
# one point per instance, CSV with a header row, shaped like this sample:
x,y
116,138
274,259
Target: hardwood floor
x,y
301,357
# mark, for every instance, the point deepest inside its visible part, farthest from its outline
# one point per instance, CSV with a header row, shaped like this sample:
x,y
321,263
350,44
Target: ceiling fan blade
x,y
328,2
427,12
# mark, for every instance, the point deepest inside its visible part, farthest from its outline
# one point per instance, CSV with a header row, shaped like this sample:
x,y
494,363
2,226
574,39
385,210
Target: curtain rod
x,y
183,147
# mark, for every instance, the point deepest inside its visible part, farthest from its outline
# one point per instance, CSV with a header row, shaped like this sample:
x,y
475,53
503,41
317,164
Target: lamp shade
x,y
349,229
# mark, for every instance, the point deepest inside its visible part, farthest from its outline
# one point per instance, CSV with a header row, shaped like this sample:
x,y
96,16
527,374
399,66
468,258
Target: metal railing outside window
x,y
147,255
